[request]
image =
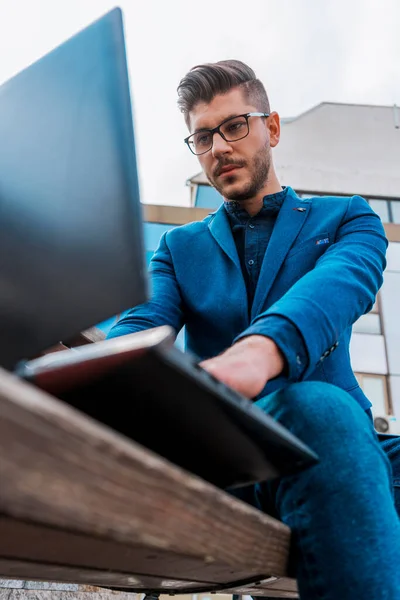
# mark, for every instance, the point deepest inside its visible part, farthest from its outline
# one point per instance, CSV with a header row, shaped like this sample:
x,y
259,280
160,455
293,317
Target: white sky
x,y
305,52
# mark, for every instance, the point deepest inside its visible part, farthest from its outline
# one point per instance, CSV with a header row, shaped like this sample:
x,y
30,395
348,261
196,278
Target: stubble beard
x,y
260,168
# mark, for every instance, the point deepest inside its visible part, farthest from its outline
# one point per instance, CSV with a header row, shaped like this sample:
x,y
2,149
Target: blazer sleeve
x,y
335,293
165,304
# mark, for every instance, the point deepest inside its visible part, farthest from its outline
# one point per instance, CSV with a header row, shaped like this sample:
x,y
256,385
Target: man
x,y
268,288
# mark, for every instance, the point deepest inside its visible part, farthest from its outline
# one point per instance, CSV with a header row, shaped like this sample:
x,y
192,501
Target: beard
x,y
259,170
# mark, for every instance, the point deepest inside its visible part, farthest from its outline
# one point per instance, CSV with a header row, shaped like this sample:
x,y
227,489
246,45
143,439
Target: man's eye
x,y
203,139
234,127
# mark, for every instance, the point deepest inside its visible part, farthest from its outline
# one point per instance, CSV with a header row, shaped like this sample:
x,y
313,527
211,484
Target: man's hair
x,y
204,82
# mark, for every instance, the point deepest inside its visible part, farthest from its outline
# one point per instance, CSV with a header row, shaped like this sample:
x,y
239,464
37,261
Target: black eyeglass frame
x,y
217,130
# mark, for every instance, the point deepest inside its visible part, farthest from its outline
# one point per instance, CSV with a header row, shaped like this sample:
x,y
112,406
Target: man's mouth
x,y
227,170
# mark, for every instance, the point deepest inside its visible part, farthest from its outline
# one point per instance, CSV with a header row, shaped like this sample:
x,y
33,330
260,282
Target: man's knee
x,y
315,407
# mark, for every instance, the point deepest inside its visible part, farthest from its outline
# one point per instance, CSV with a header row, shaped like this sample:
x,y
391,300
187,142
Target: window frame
x,y
387,400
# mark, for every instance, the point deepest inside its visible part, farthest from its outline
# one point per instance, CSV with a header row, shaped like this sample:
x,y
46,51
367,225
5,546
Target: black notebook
x,y
143,386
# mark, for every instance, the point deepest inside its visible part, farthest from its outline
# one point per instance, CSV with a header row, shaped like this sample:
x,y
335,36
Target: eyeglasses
x,y
231,130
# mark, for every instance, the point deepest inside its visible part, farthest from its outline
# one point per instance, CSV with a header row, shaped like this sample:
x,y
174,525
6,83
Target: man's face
x,y
238,170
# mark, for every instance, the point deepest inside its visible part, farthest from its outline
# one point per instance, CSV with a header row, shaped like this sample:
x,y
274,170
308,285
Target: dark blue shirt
x,y
252,235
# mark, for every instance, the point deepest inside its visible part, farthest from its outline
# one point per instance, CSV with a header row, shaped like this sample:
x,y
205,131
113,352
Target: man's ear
x,y
274,126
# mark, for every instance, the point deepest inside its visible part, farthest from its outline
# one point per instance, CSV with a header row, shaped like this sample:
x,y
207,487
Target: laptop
x,y
71,235
72,255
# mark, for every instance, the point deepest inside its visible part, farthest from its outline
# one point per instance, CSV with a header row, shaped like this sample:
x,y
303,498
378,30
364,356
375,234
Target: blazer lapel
x,y
220,229
289,223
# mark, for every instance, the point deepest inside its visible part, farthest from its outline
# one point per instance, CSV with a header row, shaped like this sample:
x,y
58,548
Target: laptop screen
x,y
71,241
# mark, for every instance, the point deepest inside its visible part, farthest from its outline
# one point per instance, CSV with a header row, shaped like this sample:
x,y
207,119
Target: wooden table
x,y
80,503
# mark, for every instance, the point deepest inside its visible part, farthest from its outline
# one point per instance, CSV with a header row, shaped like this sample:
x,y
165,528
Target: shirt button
x,y
251,262
251,226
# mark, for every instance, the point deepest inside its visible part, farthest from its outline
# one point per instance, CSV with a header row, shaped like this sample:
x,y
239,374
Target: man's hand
x,y
247,365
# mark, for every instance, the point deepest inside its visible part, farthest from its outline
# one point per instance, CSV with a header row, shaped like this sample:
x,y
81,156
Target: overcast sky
x,y
305,52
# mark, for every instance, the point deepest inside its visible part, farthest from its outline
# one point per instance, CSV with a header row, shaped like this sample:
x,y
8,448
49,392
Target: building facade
x,y
341,150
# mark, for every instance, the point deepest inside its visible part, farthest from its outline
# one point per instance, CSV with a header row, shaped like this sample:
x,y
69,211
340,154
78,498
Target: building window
x,y
370,323
393,260
153,233
388,210
381,207
208,197
375,388
395,206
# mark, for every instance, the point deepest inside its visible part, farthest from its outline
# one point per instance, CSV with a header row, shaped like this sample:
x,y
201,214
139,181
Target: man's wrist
x,y
267,352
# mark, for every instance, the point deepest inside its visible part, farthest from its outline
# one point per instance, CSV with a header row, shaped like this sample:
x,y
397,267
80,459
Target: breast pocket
x,y
314,246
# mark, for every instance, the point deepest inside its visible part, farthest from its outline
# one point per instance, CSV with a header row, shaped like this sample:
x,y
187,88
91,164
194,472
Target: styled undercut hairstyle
x,y
204,82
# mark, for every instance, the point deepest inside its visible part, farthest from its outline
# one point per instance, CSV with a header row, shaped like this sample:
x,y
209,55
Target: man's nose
x,y
220,146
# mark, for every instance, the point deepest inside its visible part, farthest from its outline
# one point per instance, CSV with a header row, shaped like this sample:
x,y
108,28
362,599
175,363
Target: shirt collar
x,y
271,205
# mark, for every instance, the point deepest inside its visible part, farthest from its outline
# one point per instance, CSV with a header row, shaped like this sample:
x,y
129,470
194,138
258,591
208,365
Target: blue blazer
x,y
322,270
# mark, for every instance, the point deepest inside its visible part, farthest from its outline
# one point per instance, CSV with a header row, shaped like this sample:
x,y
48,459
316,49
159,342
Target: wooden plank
x,y
69,475
282,587
95,577
174,215
45,546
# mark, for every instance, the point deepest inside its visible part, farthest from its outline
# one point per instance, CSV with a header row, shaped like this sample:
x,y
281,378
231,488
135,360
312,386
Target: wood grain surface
x,y
77,495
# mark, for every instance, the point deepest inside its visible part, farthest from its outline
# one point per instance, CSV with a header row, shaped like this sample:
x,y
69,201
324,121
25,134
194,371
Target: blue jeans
x,y
342,513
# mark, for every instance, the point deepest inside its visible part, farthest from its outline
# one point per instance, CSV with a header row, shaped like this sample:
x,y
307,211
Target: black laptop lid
x,y
71,247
